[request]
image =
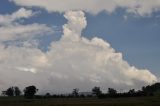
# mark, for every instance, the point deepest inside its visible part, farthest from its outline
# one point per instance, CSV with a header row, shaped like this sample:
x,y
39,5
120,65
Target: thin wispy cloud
x,y
12,29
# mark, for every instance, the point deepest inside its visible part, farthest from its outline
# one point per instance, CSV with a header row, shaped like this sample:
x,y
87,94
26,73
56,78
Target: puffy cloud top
x,y
73,61
76,23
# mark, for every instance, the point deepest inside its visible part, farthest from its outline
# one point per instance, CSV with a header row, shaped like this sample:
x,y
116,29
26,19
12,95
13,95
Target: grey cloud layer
x,y
73,61
139,7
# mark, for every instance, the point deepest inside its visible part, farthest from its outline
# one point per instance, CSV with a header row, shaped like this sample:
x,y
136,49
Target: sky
x,y
59,45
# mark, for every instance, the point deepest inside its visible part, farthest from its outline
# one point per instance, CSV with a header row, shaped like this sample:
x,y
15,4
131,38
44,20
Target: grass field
x,y
132,101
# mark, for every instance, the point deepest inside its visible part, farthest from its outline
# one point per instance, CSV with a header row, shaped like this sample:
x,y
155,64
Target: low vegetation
x,y
147,96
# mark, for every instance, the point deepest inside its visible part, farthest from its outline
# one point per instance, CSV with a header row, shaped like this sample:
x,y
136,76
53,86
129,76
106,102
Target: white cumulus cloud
x,y
9,18
139,7
72,62
11,29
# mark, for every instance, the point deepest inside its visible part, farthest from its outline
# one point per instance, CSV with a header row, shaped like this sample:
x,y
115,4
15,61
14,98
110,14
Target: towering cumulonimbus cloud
x,y
138,7
72,62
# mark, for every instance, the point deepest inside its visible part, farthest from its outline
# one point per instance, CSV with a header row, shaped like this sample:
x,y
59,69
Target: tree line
x,y
30,91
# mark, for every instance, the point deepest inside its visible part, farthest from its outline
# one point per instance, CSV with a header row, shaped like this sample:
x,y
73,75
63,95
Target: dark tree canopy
x,y
30,91
10,91
47,95
75,92
17,91
132,91
97,91
3,93
151,89
112,91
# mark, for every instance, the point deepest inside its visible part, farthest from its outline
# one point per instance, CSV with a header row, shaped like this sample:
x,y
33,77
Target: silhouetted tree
x,y
10,91
75,92
3,93
132,91
112,92
30,91
47,95
97,91
150,90
17,91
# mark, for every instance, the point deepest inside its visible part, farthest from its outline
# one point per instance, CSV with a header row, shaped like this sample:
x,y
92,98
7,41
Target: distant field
x,y
140,101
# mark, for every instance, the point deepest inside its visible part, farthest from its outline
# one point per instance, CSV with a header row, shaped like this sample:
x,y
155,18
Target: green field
x,y
132,101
